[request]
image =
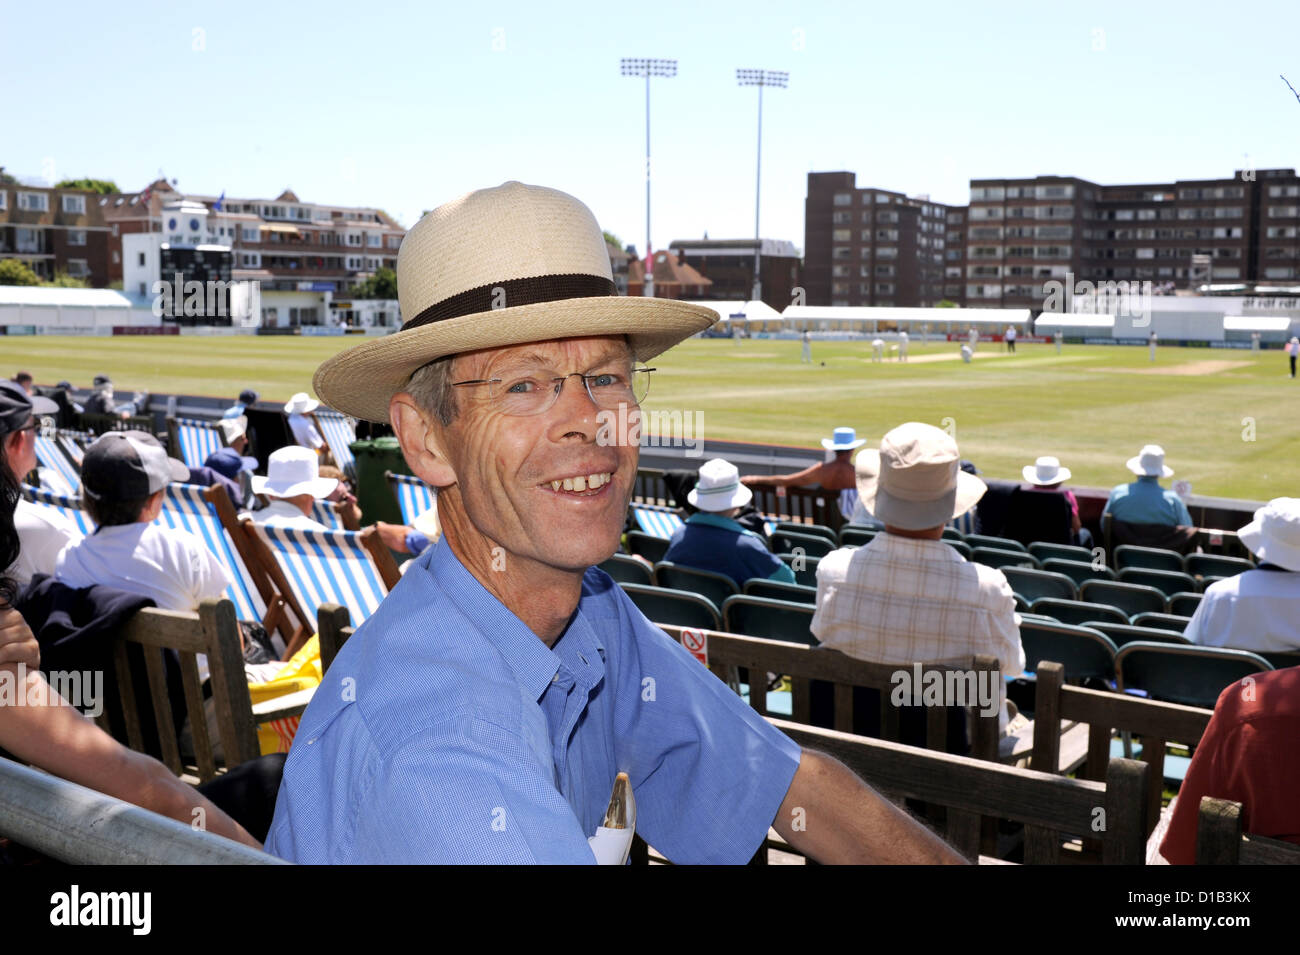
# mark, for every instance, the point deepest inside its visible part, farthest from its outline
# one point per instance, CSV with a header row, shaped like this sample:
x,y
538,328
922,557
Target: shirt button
x,y
556,678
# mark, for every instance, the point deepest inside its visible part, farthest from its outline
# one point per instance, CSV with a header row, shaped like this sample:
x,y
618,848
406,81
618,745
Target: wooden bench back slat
x,y
162,708
1221,841
203,752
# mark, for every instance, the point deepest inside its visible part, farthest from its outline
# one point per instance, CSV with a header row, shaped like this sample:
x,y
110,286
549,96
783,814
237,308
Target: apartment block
x,y
729,265
870,246
54,230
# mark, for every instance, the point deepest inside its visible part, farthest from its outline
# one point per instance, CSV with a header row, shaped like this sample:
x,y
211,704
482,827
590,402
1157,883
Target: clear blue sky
x,y
404,106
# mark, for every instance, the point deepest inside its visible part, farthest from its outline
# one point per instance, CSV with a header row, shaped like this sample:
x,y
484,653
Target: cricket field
x,y
1228,419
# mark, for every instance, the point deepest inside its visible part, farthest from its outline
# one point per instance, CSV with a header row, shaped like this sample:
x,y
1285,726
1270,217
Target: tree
x,y
104,187
613,240
64,280
945,303
383,284
14,272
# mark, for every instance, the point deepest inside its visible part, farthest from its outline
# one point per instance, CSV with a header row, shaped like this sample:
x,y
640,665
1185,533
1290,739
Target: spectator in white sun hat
x,y
1047,474
304,432
1260,609
1144,501
293,483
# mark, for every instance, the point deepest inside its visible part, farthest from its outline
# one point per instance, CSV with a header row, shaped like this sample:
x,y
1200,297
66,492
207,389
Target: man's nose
x,y
574,411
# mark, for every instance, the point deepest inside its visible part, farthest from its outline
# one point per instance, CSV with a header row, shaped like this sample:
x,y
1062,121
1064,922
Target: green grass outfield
x,y
1092,406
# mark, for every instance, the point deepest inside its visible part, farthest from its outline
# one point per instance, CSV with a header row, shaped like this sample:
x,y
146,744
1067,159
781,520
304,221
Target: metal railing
x,y
82,827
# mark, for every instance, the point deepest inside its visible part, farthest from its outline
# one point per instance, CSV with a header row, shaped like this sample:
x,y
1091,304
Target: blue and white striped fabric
x,y
327,513
965,523
69,507
414,497
73,444
326,567
656,520
848,502
339,432
185,507
197,439
49,456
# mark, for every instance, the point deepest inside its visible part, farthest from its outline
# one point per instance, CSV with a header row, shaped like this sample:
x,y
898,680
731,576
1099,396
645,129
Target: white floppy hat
x,y
920,483
233,428
499,267
1045,471
843,439
1150,462
292,471
301,403
1274,534
719,487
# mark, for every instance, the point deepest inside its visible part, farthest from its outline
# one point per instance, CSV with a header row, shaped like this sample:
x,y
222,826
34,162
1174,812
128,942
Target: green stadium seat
x,y
805,569
960,547
676,607
952,534
1077,612
1127,633
716,587
812,545
1061,551
1184,604
652,548
1162,621
780,590
1192,676
1148,558
1032,584
1083,652
1169,582
1216,565
1077,570
1131,599
1281,659
769,619
1000,543
996,557
626,569
814,530
856,536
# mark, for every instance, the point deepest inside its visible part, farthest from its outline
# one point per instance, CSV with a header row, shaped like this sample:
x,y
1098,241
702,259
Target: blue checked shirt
x,y
446,731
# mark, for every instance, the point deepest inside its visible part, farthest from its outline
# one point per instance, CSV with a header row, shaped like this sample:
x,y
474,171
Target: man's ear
x,y
420,437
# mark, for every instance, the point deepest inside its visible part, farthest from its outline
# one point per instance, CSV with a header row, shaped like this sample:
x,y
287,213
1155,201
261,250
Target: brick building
x,y
729,265
55,230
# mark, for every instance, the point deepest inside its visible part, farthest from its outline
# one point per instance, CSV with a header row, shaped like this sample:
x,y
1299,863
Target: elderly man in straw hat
x,y
484,711
907,597
1260,609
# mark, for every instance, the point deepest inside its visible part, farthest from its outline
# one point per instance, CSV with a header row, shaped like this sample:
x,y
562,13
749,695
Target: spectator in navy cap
x,y
247,397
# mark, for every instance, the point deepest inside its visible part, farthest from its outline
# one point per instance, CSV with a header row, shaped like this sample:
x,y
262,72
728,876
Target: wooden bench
x,y
1155,722
213,631
1047,804
1220,841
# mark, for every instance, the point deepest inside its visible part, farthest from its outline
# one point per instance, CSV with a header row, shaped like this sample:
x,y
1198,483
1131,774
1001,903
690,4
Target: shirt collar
x,y
887,541
532,662
709,519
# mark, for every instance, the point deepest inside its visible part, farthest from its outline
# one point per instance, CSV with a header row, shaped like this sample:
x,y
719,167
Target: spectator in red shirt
x,y
1247,755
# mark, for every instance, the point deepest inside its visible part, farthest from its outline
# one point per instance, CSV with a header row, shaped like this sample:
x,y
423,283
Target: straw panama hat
x,y
1044,471
1150,462
919,483
498,267
1274,534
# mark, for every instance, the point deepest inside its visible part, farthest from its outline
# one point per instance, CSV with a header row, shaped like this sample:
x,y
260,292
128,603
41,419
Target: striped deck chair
x,y
339,431
656,520
327,513
188,507
193,440
50,457
350,568
73,444
848,501
414,497
69,507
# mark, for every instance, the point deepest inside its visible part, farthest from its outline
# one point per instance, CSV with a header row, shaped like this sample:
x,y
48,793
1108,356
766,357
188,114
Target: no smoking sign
x,y
697,642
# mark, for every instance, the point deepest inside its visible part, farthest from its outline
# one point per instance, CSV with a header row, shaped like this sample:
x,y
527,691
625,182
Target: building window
x,y
141,262
843,199
76,237
76,205
116,257
78,268
842,235
33,202
839,252
4,200
374,240
250,234
841,218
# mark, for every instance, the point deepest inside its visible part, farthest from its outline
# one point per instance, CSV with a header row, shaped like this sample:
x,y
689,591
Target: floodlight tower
x,y
760,78
640,66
